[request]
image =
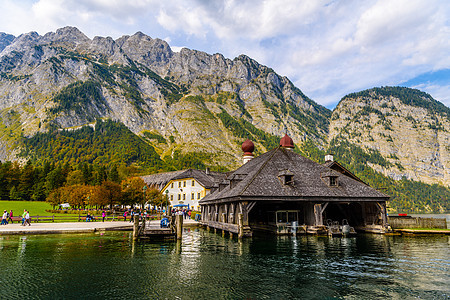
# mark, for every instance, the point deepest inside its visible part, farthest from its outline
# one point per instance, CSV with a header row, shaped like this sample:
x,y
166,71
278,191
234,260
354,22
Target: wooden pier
x,y
152,229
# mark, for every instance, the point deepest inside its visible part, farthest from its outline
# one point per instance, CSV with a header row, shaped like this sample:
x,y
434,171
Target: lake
x,y
207,266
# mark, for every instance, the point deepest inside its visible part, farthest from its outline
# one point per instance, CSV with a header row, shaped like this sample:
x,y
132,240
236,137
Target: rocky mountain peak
x,y
68,34
21,42
407,127
5,40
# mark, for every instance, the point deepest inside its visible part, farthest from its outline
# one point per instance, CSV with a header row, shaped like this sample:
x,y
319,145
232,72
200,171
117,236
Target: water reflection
x,y
205,265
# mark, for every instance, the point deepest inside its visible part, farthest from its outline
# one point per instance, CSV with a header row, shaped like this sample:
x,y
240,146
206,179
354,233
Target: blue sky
x,y
327,48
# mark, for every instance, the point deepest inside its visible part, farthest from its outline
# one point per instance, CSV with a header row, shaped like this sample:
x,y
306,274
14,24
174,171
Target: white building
x,y
185,187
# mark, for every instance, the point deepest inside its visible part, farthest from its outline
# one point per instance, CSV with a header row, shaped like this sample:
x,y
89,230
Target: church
x,y
283,192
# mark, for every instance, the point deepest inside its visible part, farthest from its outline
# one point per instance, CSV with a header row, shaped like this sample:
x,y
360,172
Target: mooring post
x,y
223,229
179,226
241,226
135,226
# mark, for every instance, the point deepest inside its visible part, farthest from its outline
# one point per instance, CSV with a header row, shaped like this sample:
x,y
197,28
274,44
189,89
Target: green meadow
x,y
34,207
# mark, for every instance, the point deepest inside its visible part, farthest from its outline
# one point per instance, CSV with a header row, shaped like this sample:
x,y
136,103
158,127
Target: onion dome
x,y
287,142
248,147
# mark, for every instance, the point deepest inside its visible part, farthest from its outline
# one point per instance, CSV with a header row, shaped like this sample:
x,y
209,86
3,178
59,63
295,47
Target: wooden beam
x,y
250,206
318,218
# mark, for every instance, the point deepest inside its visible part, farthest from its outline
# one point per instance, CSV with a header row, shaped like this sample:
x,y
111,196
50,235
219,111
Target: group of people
x,y
185,212
135,212
8,217
90,217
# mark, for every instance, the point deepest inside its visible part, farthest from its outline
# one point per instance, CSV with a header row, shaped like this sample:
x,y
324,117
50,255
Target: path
x,y
77,227
69,227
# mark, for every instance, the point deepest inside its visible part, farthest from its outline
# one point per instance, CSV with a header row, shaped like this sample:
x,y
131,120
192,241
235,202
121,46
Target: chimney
x,y
207,171
329,157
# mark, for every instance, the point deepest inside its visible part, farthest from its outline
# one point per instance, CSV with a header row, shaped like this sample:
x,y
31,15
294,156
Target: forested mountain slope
x,y
73,100
191,99
406,127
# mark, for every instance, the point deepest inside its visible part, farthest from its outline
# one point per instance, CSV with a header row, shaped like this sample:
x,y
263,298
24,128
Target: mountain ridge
x,y
193,100
142,80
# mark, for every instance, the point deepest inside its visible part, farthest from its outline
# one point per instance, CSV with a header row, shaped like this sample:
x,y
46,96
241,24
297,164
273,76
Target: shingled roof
x,y
206,178
259,179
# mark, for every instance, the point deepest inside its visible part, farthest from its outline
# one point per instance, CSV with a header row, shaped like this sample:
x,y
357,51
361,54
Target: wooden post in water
x,y
241,226
179,226
223,229
135,227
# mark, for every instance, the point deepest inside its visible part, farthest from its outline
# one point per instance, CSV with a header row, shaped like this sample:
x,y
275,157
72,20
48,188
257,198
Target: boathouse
x,y
283,192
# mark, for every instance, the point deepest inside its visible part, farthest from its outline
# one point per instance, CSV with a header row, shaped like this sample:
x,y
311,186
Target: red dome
x,y
248,147
287,142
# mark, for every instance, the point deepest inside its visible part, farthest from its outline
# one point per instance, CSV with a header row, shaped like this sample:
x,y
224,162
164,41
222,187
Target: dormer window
x,y
333,181
286,177
331,178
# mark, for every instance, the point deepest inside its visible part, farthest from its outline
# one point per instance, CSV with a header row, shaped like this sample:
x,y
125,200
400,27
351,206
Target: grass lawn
x,y
37,208
34,207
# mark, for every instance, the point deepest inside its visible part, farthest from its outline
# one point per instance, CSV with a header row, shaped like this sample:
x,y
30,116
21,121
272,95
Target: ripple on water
x,y
207,266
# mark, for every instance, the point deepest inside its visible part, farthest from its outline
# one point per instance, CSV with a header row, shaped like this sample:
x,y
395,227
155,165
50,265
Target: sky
x,y
326,48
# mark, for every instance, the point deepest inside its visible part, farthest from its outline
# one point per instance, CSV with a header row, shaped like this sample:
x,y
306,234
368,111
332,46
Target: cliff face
x,y
191,101
65,79
410,130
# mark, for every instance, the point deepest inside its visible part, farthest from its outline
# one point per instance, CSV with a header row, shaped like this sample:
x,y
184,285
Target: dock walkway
x,y
80,227
69,227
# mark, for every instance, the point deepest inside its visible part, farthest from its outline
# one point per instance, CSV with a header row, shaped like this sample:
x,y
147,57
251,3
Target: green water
x,y
206,266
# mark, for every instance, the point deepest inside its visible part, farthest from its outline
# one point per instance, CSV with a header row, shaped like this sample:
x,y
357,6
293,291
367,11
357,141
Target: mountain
x,y
195,101
407,128
69,99
5,40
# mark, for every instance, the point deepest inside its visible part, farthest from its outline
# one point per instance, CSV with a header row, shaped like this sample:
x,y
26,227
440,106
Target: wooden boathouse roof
x,y
282,174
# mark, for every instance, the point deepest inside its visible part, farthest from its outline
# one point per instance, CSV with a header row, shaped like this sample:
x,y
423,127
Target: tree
x,y
75,177
26,182
55,179
76,195
107,193
132,189
155,197
54,198
114,175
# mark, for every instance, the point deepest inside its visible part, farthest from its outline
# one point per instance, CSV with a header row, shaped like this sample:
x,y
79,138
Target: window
x,y
184,196
333,181
286,177
198,195
179,197
171,197
184,183
192,196
193,182
179,183
171,185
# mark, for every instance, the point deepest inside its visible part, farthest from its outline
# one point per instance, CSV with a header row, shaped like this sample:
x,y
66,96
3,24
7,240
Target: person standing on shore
x,y
10,216
27,219
103,216
4,217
